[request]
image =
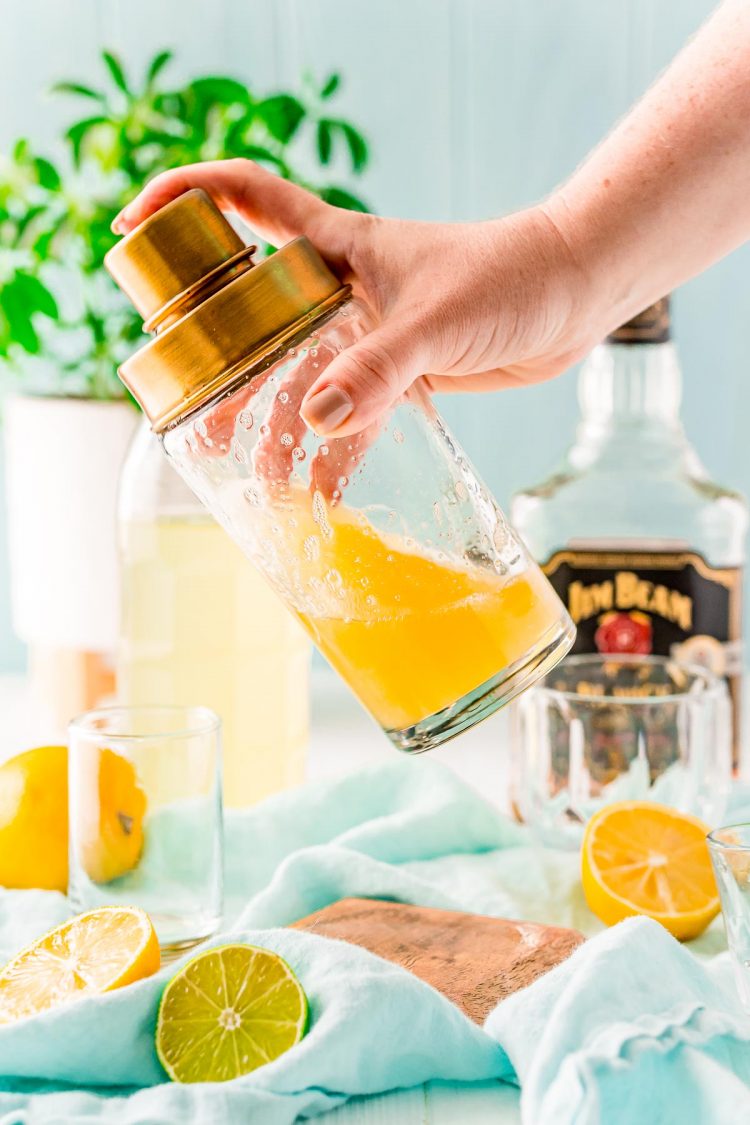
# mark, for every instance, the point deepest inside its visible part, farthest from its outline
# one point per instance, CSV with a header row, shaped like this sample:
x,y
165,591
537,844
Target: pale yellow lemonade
x,y
201,626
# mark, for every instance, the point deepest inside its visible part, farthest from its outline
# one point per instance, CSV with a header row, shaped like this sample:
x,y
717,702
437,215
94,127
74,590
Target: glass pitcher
x,y
386,545
244,656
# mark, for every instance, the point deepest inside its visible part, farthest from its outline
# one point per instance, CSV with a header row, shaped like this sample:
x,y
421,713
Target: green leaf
x,y
339,197
227,91
332,84
20,329
282,115
324,140
36,296
156,66
264,156
48,175
114,66
78,89
41,245
20,150
76,134
158,137
357,145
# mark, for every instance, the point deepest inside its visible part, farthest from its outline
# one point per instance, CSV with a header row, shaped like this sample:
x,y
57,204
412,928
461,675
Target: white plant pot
x,y
63,459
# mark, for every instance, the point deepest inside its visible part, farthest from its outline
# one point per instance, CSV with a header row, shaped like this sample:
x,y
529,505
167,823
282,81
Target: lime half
x,y
227,1012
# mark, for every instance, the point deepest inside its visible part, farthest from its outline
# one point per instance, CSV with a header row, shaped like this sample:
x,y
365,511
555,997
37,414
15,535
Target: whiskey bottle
x,y
643,548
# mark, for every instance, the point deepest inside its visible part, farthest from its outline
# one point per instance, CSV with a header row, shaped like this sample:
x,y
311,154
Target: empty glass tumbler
x,y
619,727
386,545
145,817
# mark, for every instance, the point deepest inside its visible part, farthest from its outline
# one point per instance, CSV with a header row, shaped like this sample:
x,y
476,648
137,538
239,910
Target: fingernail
x,y
327,409
120,222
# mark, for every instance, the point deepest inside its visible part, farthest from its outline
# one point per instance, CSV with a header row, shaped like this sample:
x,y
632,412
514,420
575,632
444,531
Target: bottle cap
x,y
214,313
649,327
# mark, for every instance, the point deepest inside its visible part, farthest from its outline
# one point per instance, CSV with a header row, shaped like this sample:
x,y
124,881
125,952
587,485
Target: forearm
x,y
668,192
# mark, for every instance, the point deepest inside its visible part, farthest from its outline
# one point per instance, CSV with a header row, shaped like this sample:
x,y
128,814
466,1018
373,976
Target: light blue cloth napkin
x,y
633,1027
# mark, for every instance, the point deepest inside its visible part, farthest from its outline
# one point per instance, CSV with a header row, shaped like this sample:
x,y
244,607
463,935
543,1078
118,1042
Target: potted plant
x,y
64,327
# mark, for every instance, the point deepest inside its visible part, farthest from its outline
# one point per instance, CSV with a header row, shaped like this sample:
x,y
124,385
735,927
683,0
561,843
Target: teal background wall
x,y
473,108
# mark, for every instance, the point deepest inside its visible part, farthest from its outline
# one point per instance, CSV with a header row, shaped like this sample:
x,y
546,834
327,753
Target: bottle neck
x,y
631,384
630,397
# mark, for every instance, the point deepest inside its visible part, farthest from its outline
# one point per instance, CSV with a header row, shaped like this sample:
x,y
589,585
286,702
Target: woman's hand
x,y
477,306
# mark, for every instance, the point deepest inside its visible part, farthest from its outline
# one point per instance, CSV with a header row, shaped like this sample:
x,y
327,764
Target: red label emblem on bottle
x,y
624,633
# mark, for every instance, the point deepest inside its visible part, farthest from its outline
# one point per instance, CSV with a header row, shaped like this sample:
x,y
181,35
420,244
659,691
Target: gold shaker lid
x,y
214,312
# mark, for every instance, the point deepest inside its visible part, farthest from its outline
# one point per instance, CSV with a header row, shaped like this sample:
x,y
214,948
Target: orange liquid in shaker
x,y
415,634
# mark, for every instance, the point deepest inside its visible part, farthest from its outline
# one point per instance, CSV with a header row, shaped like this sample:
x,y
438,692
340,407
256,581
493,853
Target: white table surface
x,y
343,738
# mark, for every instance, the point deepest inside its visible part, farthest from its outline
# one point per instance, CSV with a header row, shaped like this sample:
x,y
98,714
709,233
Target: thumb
x,y
361,383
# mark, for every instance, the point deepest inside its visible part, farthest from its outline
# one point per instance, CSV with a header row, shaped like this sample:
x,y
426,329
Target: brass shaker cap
x,y
169,252
215,314
652,326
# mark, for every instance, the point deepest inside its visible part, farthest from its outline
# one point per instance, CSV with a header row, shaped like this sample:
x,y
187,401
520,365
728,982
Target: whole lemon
x,y
111,803
34,819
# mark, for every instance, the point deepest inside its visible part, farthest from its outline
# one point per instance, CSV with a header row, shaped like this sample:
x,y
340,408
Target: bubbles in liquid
x,y
292,351
311,547
336,494
252,495
320,514
245,419
324,451
286,439
238,452
371,600
398,437
298,453
437,511
500,537
461,492
343,481
283,396
264,430
334,580
364,582
313,351
389,558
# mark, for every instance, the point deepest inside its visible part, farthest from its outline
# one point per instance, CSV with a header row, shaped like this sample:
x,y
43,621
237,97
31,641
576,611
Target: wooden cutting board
x,y
474,960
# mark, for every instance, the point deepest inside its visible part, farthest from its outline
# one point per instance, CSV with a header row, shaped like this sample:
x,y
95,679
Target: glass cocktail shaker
x,y
386,545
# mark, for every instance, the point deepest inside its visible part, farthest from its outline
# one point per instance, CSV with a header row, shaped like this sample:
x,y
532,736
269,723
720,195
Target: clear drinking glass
x,y
729,848
612,728
146,817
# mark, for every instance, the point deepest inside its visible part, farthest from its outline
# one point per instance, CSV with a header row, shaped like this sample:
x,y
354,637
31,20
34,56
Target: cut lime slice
x,y
227,1012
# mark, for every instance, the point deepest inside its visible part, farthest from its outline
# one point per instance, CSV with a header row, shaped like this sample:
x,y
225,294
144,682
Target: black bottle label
x,y
665,603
